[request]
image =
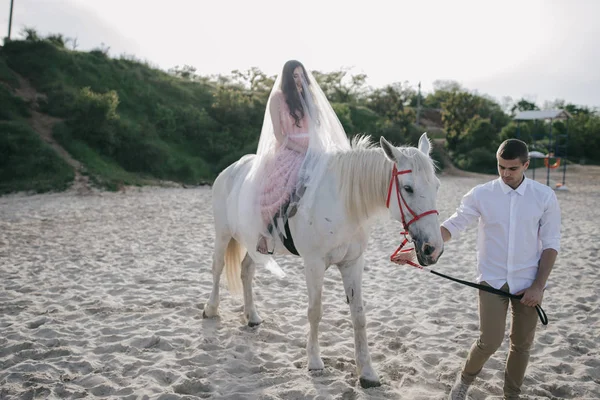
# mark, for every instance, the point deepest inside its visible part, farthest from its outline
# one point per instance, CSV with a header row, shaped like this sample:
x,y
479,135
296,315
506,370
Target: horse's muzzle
x,y
427,254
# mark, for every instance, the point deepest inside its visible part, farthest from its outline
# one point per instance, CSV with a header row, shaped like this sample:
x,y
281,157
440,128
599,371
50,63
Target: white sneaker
x,y
459,391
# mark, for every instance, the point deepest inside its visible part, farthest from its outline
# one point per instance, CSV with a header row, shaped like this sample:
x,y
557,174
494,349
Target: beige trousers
x,y
492,322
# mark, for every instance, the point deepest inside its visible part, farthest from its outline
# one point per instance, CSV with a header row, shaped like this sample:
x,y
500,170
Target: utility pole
x,y
419,105
10,18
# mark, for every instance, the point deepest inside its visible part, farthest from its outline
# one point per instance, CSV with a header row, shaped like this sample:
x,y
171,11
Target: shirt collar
x,y
520,190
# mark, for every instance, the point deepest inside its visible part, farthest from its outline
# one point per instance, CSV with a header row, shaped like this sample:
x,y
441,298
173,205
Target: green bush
x,y
60,100
27,163
144,156
94,119
363,120
514,130
12,107
103,171
6,75
437,154
481,160
57,40
480,133
344,114
234,156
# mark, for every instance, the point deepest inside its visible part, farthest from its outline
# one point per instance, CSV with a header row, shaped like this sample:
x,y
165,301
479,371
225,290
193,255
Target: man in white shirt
x,y
518,241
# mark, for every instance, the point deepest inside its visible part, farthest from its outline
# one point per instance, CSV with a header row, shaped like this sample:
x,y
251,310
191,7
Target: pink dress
x,y
281,171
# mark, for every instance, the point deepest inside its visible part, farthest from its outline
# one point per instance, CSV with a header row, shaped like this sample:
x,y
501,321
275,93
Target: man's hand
x,y
532,296
446,235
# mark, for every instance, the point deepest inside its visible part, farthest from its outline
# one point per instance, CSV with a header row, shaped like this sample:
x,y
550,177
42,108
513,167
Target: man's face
x,y
511,171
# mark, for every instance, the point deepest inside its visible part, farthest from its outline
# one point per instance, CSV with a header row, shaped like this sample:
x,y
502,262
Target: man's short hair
x,y
512,149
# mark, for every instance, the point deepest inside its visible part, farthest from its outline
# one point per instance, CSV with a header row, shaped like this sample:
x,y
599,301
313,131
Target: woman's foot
x,y
262,246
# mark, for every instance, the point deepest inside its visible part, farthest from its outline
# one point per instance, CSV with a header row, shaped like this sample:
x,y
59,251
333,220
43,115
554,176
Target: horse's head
x,y
412,197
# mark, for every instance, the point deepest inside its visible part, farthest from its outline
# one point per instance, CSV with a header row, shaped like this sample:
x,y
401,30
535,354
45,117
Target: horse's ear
x,y
424,144
388,149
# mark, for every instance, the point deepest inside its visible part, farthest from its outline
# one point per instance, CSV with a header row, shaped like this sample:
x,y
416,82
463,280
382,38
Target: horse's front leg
x,y
248,269
315,273
352,277
211,308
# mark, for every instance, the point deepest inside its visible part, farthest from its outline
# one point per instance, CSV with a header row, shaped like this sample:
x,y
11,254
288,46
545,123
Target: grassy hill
x,y
26,161
125,122
68,116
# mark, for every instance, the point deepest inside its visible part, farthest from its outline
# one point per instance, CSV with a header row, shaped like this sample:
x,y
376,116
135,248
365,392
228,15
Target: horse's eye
x,y
408,189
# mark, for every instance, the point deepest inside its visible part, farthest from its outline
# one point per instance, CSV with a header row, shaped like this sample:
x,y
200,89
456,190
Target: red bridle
x,y
395,257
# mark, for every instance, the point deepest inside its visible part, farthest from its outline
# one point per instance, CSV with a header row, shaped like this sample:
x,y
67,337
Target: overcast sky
x,y
541,50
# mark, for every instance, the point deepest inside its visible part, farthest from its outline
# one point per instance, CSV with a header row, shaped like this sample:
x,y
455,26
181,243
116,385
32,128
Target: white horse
x,y
353,190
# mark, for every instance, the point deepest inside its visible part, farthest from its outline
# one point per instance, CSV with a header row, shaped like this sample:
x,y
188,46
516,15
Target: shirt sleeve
x,y
550,224
465,215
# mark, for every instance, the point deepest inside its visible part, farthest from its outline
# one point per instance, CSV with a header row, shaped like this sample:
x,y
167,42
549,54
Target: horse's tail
x,y
233,265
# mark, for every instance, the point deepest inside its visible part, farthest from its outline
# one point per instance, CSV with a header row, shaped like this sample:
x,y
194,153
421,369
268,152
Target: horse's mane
x,y
363,175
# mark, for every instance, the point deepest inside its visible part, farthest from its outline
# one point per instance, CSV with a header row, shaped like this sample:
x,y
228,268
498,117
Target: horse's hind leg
x,y
315,274
211,308
248,270
352,277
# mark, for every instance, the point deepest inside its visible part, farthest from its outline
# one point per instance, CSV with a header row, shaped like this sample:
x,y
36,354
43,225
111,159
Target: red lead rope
x,y
397,256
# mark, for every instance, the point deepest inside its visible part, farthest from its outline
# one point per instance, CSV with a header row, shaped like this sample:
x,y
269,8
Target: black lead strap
x,y
538,308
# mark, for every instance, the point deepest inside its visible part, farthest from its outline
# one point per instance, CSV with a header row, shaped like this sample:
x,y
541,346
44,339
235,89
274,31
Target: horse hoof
x,y
365,383
204,314
253,324
316,366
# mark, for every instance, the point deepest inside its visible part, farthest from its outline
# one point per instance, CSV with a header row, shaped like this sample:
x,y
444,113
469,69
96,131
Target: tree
x,y
257,83
457,111
577,110
479,133
390,100
186,72
31,35
339,87
523,105
441,91
253,79
493,111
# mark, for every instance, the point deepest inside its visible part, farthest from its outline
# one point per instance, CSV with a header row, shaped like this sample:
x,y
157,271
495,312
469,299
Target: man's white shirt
x,y
515,226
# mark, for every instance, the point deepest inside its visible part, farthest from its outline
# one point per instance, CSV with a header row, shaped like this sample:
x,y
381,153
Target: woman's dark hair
x,y
290,92
512,149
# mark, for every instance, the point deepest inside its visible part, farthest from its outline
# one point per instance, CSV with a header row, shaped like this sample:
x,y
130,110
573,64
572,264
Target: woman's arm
x,y
276,118
274,109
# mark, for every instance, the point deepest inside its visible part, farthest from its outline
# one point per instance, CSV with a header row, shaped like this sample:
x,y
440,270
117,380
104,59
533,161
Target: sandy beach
x,y
102,296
